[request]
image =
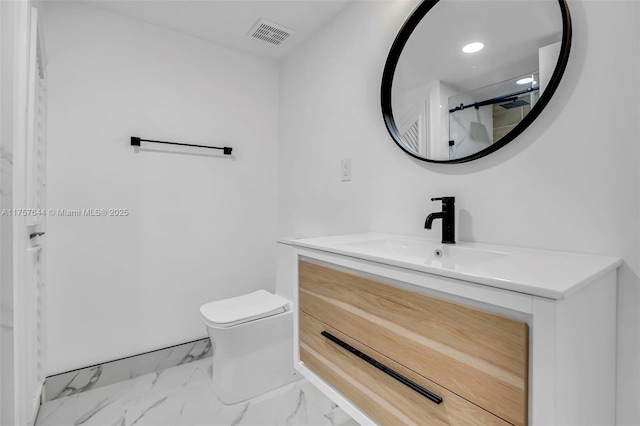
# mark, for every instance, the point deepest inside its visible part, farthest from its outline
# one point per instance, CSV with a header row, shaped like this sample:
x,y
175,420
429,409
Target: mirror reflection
x,y
470,72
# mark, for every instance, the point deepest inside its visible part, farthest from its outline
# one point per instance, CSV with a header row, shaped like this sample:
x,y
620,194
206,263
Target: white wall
x,y
570,182
8,99
547,58
200,227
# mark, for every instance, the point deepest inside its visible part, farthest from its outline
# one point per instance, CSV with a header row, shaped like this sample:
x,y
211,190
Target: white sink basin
x,y
431,252
544,273
400,247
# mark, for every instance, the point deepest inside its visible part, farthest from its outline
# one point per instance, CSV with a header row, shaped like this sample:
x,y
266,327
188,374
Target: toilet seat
x,y
241,309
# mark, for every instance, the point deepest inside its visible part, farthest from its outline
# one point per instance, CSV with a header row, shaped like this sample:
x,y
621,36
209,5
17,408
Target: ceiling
x,y
227,22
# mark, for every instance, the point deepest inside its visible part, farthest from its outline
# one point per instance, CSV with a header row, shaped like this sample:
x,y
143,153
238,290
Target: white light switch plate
x,y
345,170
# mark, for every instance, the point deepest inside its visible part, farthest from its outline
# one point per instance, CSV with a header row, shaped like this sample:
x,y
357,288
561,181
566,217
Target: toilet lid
x,y
241,309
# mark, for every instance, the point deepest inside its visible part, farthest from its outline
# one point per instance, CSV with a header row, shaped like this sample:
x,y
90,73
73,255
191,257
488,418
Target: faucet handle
x,y
445,200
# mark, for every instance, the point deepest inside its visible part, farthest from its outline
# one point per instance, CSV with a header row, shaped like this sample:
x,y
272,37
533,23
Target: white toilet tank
x,y
252,339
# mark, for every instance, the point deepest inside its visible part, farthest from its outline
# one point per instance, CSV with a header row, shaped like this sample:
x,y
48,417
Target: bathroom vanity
x,y
405,330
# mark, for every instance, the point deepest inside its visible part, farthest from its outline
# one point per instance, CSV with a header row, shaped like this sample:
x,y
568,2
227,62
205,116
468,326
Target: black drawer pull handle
x,y
380,366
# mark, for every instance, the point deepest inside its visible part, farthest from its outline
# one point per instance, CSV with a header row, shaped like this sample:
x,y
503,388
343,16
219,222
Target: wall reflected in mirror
x,y
452,99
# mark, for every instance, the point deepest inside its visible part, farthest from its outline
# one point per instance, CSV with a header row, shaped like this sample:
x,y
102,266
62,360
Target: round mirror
x,y
464,78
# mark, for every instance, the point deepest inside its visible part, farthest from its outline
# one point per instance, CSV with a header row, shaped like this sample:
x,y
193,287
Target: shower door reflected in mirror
x,y
468,73
482,117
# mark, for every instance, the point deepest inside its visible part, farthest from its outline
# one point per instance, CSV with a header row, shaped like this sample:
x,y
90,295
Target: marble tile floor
x,y
181,396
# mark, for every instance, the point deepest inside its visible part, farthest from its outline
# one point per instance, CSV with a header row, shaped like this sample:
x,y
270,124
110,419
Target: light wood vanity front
x,y
381,396
476,360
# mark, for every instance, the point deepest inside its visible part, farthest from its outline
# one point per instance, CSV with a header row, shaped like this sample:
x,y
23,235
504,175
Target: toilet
x,y
252,340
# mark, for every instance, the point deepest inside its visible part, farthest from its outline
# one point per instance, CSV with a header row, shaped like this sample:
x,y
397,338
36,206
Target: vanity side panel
x,y
287,285
542,368
286,271
481,356
586,355
387,400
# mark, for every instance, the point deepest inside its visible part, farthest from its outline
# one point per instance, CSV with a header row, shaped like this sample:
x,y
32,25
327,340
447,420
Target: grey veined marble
x,y
6,178
181,396
85,379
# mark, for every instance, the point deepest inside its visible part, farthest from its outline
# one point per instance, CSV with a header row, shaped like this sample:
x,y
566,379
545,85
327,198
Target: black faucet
x,y
448,216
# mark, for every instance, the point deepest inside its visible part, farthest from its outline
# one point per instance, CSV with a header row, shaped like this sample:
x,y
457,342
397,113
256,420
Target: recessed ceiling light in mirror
x,y
525,80
474,47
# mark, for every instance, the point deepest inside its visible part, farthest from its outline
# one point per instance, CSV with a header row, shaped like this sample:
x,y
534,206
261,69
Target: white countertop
x,y
544,273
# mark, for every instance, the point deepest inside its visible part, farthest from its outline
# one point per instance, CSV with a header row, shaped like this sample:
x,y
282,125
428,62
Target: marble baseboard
x,y
84,379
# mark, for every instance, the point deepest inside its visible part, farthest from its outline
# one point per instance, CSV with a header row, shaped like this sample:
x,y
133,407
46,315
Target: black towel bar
x,y
135,141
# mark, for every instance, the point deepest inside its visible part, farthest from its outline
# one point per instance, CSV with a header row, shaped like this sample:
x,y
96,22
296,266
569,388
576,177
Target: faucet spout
x,y
448,219
431,218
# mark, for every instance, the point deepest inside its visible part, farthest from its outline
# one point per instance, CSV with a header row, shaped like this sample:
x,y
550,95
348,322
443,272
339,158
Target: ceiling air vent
x,y
270,32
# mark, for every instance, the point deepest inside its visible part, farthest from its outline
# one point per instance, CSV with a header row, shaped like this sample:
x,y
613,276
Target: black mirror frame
x,y
394,55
